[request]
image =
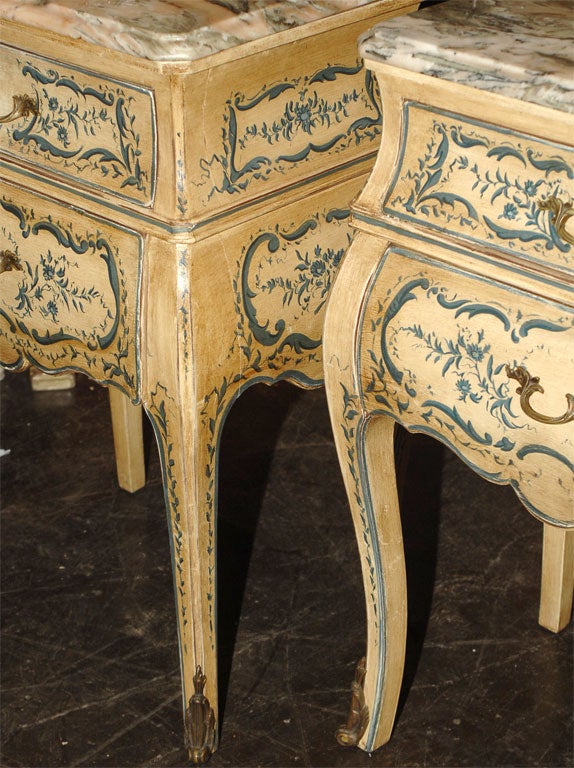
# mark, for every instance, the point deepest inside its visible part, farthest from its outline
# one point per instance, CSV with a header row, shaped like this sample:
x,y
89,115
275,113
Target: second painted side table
x,y
453,313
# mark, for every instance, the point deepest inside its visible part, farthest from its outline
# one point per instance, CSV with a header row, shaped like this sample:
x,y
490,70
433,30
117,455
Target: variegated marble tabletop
x,y
518,48
171,29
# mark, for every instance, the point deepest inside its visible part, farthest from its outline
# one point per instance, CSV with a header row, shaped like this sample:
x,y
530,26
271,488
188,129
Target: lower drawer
x,y
68,290
440,350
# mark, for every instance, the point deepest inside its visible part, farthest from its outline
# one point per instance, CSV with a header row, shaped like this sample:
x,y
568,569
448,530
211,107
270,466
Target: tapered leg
x,y
557,578
188,385
128,441
190,502
366,454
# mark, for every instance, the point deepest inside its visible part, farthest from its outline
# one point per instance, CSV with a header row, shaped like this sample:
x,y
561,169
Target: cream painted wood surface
x,y
453,315
173,229
557,580
128,441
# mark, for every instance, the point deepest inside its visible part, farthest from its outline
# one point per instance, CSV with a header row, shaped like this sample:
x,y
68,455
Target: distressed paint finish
x,y
471,179
433,355
296,121
280,285
323,113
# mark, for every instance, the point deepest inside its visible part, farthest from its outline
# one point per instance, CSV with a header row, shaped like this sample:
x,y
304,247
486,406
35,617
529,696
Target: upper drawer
x,y
484,184
95,131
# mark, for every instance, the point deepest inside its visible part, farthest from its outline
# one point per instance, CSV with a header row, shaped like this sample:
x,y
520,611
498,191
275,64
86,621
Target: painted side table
x,y
453,313
174,204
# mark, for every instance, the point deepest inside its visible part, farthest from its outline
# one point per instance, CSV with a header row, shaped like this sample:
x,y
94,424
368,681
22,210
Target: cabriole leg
x,y
192,536
366,454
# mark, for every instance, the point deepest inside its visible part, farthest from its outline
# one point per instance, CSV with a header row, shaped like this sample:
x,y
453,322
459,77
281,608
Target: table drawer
x,y
435,346
486,185
68,290
81,127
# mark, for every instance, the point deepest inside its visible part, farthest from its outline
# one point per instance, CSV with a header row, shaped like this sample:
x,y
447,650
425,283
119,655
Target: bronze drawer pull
x,y
24,106
528,386
561,212
9,262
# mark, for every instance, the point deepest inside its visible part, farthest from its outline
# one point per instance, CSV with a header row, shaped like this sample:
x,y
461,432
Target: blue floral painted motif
x,y
48,298
476,375
47,288
510,211
467,164
310,286
284,270
464,387
279,270
470,375
256,150
67,127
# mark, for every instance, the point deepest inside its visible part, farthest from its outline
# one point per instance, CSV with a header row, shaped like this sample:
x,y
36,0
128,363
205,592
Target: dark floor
x,y
89,661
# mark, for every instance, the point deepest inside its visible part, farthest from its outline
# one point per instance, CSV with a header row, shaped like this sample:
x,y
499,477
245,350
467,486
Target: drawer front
x,y
435,346
79,126
68,290
485,185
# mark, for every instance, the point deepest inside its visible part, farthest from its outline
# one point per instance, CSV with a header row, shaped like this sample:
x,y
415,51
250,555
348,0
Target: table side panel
x,y
277,119
278,271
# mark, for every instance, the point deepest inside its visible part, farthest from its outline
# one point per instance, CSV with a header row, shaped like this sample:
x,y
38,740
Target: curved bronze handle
x,y
24,106
561,212
9,262
528,386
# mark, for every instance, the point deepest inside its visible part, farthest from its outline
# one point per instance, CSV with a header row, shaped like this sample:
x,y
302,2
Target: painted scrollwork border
x,y
66,353
304,111
422,190
326,262
47,132
377,398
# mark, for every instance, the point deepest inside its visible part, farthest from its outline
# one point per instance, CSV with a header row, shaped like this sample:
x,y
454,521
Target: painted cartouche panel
x,y
435,346
68,290
485,184
281,283
78,125
289,130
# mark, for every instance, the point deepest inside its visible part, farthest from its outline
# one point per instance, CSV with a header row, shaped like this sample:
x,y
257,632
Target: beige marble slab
x,y
173,30
518,48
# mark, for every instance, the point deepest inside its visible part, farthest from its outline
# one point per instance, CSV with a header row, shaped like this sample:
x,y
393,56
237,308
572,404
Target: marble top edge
x,y
517,48
171,30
